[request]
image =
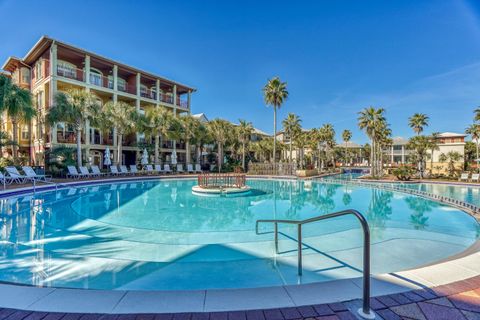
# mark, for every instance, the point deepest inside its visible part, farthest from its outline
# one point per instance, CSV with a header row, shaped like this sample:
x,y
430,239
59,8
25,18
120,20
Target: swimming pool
x,y
156,235
469,194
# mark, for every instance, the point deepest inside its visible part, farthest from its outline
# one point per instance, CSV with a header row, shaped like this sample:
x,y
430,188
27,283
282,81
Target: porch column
x,y
403,154
115,80
391,160
87,69
157,90
53,86
189,99
175,114
139,76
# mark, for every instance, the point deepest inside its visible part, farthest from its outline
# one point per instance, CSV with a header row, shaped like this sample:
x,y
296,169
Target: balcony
x,y
101,81
71,73
128,88
182,103
148,93
166,98
67,137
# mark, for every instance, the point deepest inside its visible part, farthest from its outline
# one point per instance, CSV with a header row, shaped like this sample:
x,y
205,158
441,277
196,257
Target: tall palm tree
x,y
219,130
18,105
157,122
433,147
189,126
328,134
372,120
474,131
202,137
301,141
417,122
245,130
346,136
291,127
123,117
75,106
275,93
477,114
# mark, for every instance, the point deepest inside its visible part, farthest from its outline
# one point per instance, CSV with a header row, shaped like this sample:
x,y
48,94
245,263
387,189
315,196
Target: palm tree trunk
x,y
15,140
431,162
274,133
243,155
188,157
157,144
478,168
290,159
78,137
220,156
119,148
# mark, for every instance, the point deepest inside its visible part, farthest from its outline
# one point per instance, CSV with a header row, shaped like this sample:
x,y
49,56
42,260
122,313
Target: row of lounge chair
x,y
466,177
94,171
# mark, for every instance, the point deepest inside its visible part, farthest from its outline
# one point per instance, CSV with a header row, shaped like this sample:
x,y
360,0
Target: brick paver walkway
x,y
459,300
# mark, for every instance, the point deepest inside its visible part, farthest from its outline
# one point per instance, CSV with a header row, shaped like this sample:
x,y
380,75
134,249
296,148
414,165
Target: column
x,y
175,96
138,83
189,99
115,80
157,90
87,69
53,86
403,154
392,157
115,99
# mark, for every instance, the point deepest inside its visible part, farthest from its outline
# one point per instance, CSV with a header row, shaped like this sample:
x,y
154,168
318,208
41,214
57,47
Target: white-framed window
x,y
38,70
25,75
66,69
25,132
121,84
96,77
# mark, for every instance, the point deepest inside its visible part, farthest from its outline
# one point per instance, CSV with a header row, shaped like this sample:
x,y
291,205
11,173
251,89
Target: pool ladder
x,y
365,312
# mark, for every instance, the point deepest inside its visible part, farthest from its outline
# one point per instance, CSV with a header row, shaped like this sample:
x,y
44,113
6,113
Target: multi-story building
x,y
52,66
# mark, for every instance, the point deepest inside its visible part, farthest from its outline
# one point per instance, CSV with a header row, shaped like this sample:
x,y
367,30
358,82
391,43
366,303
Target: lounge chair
x,y
124,170
475,177
5,179
16,176
463,177
133,169
73,173
30,173
84,171
149,169
180,168
198,168
190,168
96,171
167,169
114,170
158,168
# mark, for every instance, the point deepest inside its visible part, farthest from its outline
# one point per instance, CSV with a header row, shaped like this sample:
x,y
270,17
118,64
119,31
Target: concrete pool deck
x,y
421,288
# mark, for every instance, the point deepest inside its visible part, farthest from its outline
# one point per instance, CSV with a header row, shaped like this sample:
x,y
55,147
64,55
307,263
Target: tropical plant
x,y
189,126
275,93
403,172
59,157
327,133
301,141
374,123
433,147
419,146
291,127
417,122
477,114
75,106
451,158
202,137
123,117
474,131
244,130
157,122
346,136
219,130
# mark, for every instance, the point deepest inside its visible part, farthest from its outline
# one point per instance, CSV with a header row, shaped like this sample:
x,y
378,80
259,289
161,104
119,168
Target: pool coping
x,y
45,299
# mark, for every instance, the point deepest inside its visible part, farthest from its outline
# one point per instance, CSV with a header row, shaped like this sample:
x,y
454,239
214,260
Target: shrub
x,y
403,173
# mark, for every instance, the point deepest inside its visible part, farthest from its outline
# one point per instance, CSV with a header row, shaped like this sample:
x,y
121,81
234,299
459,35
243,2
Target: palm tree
x,y
328,136
157,122
477,114
451,157
419,146
417,122
372,120
18,105
219,130
123,117
346,136
474,131
301,141
189,126
202,137
291,127
245,130
75,106
433,146
275,93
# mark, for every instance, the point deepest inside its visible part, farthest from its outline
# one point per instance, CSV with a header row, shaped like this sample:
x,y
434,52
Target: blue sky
x,y
336,56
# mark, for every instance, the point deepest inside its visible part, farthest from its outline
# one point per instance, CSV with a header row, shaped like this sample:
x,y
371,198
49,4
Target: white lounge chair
x,y
180,168
198,168
5,179
114,170
158,168
16,176
190,168
84,171
149,169
73,173
30,173
475,177
124,170
96,171
463,177
133,169
167,169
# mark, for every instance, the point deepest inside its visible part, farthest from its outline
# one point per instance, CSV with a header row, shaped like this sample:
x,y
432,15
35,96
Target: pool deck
x,y
446,290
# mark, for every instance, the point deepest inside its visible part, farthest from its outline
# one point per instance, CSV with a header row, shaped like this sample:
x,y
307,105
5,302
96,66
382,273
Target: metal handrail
x,y
365,311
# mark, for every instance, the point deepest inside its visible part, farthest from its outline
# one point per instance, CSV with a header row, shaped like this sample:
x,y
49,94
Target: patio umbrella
x,y
144,157
174,157
106,157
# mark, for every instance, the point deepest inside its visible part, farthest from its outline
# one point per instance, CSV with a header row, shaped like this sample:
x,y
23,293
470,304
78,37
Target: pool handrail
x,y
365,311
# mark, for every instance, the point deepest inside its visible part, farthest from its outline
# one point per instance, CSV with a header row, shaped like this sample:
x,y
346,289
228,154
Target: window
x,y
122,84
25,135
66,69
38,70
25,75
95,77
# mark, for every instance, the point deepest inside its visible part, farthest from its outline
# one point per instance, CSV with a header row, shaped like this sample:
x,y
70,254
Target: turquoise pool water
x,y
470,194
156,235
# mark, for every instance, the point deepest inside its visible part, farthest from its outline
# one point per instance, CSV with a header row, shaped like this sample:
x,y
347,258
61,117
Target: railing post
x,y
300,268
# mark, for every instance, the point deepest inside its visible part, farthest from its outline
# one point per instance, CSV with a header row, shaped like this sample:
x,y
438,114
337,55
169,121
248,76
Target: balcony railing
x,y
71,73
148,93
166,98
101,81
182,103
128,88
